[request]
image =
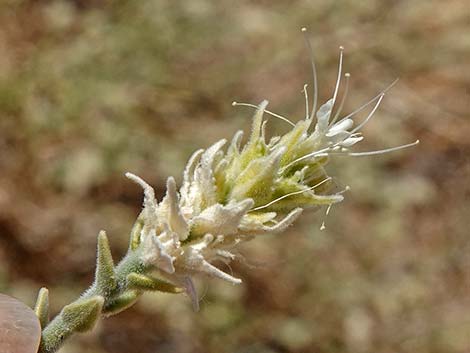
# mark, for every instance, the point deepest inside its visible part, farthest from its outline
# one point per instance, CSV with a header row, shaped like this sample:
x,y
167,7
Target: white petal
x,y
341,126
338,137
188,175
150,203
215,272
175,219
203,244
208,156
155,253
351,141
323,115
219,219
204,186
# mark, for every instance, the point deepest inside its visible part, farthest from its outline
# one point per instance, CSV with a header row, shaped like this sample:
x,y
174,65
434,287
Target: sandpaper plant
x,y
229,195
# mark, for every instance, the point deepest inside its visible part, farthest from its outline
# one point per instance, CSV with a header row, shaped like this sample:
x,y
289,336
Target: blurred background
x,y
90,89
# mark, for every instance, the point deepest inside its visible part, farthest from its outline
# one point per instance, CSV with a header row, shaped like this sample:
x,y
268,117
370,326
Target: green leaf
x,y
42,307
83,314
105,277
147,283
121,302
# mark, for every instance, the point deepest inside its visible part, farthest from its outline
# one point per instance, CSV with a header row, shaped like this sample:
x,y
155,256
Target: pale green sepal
x,y
307,198
292,140
256,180
256,146
254,226
121,302
42,307
233,150
83,314
220,180
146,283
257,124
105,277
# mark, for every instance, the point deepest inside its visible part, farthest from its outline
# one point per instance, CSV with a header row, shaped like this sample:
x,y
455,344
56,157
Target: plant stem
x,y
58,330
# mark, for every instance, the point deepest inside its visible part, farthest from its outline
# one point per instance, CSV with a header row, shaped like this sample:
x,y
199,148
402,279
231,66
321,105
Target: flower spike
x,y
228,197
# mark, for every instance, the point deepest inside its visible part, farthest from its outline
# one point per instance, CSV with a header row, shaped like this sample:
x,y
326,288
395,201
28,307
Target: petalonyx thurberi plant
x,y
228,196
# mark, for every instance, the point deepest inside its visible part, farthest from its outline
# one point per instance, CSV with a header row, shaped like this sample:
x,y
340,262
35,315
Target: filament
x,y
366,120
343,99
266,111
370,101
313,154
291,194
387,150
338,79
314,72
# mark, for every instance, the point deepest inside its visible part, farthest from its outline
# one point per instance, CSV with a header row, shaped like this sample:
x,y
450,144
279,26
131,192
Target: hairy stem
x,y
81,315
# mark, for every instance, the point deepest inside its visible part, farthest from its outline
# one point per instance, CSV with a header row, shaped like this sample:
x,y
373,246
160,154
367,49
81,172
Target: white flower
x,y
229,196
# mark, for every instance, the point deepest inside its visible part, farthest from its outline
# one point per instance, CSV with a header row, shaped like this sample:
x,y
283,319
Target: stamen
x,y
312,154
366,120
370,101
291,194
347,75
306,101
323,226
338,79
387,150
314,72
266,111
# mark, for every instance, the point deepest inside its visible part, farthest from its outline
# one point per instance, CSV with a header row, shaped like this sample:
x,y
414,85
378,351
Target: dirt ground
x,y
90,89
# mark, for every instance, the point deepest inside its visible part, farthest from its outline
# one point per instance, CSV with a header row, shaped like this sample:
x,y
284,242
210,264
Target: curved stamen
x,y
369,102
323,226
266,111
386,150
309,155
314,72
366,120
338,79
347,75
